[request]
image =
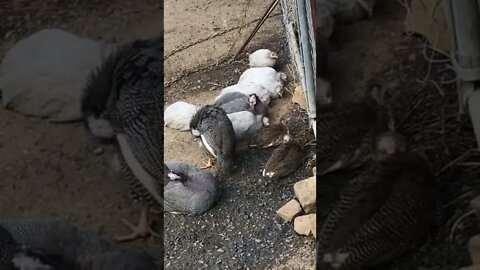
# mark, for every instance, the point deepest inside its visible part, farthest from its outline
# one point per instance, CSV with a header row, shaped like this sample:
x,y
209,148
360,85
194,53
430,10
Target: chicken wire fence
x,y
297,19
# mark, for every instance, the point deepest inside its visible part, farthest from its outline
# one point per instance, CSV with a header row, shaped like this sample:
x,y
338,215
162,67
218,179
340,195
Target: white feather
x,y
267,77
24,262
248,89
245,124
209,148
262,58
100,127
179,114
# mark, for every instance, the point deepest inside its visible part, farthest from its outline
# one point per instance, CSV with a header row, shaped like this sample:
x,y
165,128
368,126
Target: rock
x,y
306,193
290,210
303,225
44,74
474,249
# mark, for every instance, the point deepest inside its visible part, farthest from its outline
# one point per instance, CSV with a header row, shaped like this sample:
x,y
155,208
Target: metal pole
x,y
464,23
307,66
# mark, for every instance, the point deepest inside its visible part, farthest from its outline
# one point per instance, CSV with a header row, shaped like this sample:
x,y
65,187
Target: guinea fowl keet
x,y
267,77
383,213
212,125
179,114
188,190
126,91
285,159
262,58
346,134
245,124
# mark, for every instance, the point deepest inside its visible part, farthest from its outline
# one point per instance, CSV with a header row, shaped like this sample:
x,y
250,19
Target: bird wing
x,y
353,203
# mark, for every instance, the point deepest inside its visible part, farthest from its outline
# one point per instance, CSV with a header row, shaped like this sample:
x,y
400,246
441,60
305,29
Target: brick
x,y
290,210
303,225
306,193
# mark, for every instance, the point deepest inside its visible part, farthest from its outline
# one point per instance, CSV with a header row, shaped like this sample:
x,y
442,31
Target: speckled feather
x,y
347,134
214,124
270,136
65,246
193,194
382,213
128,91
285,159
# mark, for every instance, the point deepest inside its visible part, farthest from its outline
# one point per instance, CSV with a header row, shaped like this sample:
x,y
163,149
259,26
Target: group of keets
x,y
389,207
240,115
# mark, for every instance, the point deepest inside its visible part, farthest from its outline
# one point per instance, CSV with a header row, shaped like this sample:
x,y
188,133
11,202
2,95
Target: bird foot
x,y
142,230
335,259
207,165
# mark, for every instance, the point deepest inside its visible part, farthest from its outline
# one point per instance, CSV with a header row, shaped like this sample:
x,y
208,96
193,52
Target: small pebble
x,y
98,151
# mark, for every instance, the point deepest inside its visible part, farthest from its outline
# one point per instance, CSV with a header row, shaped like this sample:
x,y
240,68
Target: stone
x,y
290,210
303,224
306,193
474,249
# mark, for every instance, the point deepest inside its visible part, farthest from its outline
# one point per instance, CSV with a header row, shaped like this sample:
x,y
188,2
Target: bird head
x,y
273,55
253,99
389,143
287,137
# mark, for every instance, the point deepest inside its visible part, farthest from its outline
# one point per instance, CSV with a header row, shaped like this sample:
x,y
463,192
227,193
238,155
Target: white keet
x,y
267,77
179,114
262,58
245,124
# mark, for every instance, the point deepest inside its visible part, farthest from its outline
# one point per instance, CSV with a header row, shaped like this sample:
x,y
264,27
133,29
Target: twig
x,y
455,161
457,222
257,27
463,196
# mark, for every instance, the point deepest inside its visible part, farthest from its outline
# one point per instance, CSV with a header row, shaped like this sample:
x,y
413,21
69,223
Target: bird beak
x,y
274,56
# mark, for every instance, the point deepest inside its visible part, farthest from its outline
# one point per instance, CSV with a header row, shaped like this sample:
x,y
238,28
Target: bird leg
x,y
142,230
208,164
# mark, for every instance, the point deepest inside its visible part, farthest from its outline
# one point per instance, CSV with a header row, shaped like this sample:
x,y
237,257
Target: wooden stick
x,y
257,27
